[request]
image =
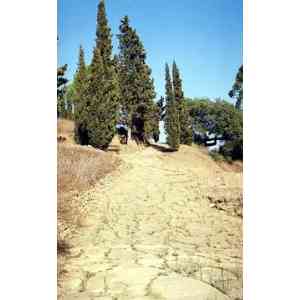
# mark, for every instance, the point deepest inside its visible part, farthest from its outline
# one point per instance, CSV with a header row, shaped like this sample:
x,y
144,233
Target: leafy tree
x,y
61,90
136,85
186,133
237,89
172,124
220,118
200,112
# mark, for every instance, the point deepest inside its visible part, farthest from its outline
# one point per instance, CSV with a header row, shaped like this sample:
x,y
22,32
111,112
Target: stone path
x,y
150,233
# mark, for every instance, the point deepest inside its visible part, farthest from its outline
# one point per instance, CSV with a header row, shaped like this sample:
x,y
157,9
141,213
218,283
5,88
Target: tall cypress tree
x,y
102,91
186,133
81,100
136,84
103,35
97,121
172,125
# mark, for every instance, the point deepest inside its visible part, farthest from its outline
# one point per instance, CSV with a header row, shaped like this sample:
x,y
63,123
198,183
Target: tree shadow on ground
x,y
113,148
161,148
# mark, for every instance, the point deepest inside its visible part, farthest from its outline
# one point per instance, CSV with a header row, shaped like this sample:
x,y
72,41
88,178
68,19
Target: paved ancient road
x,y
152,234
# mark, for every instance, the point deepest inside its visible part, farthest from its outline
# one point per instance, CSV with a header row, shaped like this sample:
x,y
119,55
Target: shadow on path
x,y
162,148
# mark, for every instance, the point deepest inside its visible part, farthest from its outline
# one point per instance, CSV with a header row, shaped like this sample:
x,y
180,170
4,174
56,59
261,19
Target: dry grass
x,y
78,169
65,129
235,166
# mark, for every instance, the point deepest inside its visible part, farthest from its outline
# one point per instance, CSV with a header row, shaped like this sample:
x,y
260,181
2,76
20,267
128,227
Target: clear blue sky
x,y
203,36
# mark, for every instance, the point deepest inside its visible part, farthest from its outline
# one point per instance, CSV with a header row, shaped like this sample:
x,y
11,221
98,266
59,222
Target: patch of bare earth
x,y
154,232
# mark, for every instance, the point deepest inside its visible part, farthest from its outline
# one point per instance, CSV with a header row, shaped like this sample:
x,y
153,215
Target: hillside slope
x,y
163,225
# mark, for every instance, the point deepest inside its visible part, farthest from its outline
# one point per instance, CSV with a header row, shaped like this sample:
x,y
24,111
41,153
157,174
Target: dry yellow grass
x,y
65,129
79,168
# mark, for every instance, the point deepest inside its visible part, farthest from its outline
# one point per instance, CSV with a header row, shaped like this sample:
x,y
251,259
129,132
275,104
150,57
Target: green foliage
x,y
69,97
186,132
233,149
161,108
101,117
61,90
103,36
81,101
136,84
237,89
220,118
172,124
97,90
216,156
102,88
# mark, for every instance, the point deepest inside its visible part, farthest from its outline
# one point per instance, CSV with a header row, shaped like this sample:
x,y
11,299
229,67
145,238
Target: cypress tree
x,y
97,120
172,125
186,133
136,85
102,90
103,36
81,101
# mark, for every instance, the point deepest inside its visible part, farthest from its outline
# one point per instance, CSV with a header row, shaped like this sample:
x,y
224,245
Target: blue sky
x,y
203,36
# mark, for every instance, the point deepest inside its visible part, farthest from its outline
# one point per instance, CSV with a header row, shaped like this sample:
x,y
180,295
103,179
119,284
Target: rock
x,y
74,285
135,279
176,287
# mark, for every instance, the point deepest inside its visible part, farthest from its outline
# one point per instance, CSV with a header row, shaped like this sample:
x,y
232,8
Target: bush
x,y
216,156
233,150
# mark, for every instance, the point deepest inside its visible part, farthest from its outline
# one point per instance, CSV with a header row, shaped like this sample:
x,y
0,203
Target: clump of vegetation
x,y
216,156
222,119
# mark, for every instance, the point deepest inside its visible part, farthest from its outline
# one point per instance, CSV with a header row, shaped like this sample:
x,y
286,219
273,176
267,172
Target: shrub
x,y
216,156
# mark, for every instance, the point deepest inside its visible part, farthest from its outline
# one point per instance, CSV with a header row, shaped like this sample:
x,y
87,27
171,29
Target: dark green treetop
x,y
81,100
186,132
103,35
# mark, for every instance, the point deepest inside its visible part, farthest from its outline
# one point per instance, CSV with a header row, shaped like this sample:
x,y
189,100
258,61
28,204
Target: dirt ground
x,y
163,225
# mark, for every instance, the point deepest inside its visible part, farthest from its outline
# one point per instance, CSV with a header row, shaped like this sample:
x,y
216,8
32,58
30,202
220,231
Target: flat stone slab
x,y
135,279
96,284
182,288
73,285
